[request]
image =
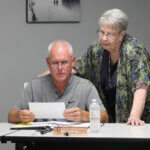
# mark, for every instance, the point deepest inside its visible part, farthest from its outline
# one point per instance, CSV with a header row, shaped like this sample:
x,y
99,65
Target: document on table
x,y
47,110
52,124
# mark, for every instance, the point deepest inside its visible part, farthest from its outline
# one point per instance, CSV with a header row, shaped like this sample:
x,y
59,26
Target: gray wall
x,y
23,47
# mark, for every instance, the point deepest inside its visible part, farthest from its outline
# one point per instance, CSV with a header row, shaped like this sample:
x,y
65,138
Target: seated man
x,y
59,86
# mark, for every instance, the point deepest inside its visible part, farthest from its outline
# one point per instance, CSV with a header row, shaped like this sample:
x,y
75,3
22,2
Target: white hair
x,y
114,18
60,42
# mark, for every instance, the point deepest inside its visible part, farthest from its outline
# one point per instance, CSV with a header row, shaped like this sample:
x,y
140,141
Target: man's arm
x,y
76,114
138,107
104,117
14,116
24,116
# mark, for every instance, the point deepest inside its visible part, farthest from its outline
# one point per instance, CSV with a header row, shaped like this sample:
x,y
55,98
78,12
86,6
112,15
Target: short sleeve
x,y
140,69
25,98
93,94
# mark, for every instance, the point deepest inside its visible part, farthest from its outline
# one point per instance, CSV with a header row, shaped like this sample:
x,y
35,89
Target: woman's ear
x,y
122,34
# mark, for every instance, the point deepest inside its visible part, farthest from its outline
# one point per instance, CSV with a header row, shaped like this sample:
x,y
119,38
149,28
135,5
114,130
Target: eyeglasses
x,y
56,64
108,35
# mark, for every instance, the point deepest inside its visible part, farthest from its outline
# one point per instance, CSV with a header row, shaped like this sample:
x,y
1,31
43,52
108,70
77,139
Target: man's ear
x,y
73,61
47,60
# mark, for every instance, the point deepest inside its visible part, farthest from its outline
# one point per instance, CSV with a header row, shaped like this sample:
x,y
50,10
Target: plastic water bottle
x,y
94,116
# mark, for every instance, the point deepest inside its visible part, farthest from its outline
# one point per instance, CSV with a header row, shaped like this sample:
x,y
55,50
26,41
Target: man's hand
x,y
26,116
132,120
76,114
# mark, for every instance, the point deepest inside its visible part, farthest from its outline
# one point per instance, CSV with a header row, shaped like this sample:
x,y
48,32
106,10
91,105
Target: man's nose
x,y
59,66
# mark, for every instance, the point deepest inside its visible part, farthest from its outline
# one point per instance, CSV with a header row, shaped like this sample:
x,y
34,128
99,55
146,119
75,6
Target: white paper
x,y
51,124
47,110
68,124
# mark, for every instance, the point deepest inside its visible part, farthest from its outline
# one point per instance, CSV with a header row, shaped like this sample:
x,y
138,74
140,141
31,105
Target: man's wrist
x,y
85,116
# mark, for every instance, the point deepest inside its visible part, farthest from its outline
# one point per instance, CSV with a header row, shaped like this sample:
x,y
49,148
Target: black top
x,y
108,83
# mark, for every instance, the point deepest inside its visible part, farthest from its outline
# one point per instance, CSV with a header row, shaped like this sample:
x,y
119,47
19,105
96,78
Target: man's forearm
x,y
85,116
103,116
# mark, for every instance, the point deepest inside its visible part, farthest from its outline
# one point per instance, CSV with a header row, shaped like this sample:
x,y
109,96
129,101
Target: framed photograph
x,y
52,11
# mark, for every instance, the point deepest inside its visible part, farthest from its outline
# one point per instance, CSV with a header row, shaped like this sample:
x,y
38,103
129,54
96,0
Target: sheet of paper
x,y
30,125
70,123
51,124
47,110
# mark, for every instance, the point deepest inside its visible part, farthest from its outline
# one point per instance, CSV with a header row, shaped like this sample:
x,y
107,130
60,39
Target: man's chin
x,y
61,79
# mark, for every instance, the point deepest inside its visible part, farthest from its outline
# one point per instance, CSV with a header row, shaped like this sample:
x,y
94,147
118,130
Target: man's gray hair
x,y
60,42
114,18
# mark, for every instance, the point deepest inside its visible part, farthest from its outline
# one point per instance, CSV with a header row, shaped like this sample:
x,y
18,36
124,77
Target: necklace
x,y
109,74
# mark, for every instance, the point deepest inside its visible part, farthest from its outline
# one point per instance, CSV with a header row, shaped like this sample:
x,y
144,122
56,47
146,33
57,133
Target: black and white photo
x,y
40,11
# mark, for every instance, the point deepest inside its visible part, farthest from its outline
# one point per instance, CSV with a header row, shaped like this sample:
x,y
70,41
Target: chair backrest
x,y
25,84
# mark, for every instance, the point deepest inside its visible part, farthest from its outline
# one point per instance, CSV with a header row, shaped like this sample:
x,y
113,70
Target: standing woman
x,y
119,66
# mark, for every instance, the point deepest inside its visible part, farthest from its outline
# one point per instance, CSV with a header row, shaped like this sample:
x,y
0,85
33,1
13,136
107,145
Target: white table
x,y
4,130
111,135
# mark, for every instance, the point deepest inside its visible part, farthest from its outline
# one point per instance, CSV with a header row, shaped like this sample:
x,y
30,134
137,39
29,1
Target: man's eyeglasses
x,y
56,64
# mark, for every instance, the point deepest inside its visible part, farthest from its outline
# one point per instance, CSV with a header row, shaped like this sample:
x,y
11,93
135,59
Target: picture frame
x,y
52,11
